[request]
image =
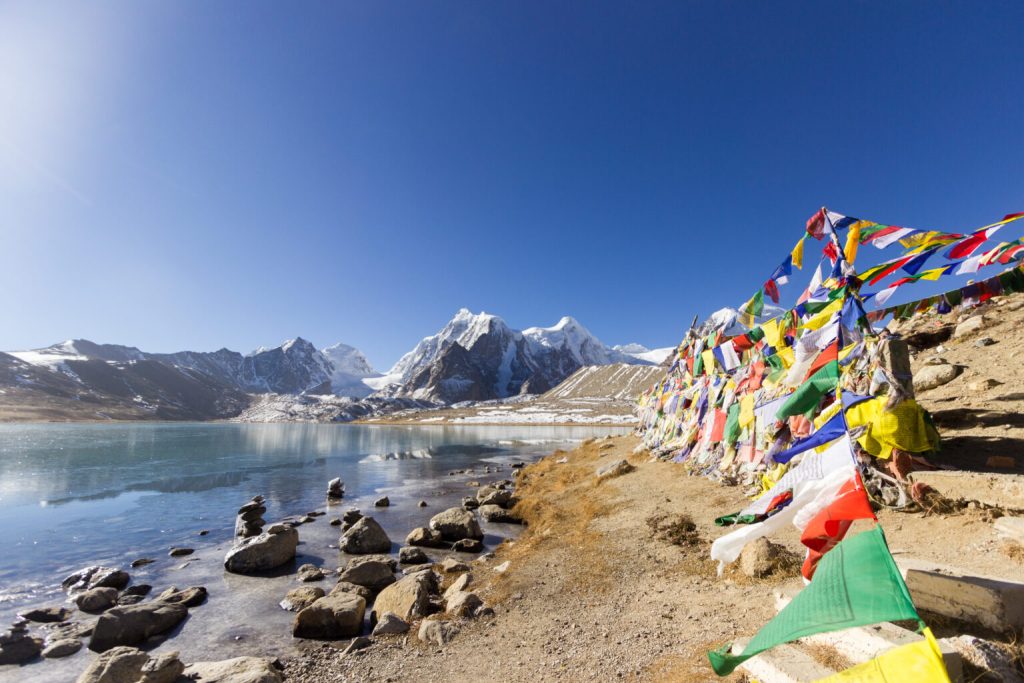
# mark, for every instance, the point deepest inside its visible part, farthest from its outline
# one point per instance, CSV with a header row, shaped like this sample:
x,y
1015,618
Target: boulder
x,y
46,615
95,600
454,524
140,589
365,537
987,656
272,548
335,616
614,469
190,597
382,502
117,665
18,647
346,587
310,572
130,599
370,573
971,326
470,503
237,670
410,555
463,604
932,376
298,599
439,633
180,552
489,495
64,647
760,557
390,624
425,537
96,577
408,598
496,514
468,545
134,624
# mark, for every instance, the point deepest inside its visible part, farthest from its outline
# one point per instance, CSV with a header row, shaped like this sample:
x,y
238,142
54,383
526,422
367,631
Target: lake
x,y
72,495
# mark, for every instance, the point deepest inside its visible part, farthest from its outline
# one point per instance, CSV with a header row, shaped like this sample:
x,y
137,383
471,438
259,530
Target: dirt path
x,y
613,581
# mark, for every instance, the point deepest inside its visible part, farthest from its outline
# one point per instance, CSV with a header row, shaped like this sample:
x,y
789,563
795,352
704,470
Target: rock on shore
x,y
272,548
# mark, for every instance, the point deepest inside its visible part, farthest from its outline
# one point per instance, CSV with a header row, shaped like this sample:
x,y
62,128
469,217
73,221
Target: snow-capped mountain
x,y
349,370
641,352
479,357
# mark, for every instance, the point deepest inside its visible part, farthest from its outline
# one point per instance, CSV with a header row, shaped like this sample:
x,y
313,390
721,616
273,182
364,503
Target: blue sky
x,y
197,175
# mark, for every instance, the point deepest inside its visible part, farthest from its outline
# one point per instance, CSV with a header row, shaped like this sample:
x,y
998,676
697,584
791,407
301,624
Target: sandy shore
x,y
612,580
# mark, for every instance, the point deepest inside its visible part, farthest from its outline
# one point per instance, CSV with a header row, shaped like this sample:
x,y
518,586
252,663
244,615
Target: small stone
x,y
346,587
298,599
335,489
468,545
982,385
180,552
463,604
139,589
310,572
426,537
450,565
760,557
382,502
439,633
96,600
984,341
390,624
358,643
46,615
141,562
503,567
364,537
189,597
204,532
335,616
422,504
336,521
615,469
933,376
412,555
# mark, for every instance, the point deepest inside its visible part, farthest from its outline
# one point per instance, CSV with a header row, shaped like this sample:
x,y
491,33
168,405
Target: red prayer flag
x,y
816,225
772,290
892,267
829,354
829,526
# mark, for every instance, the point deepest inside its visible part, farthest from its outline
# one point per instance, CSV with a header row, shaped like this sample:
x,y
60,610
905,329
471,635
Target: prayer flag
x,y
856,584
970,244
920,662
808,395
797,255
816,224
828,526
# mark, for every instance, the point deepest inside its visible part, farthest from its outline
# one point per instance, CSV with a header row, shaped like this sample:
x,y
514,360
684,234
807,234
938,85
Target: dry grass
x,y
1013,550
827,657
565,526
675,529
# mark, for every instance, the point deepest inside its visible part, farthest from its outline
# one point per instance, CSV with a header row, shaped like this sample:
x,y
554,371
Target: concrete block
x,y
785,664
1002,490
992,602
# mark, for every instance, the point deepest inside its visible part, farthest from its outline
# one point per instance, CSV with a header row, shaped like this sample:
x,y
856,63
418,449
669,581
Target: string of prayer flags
x,y
856,583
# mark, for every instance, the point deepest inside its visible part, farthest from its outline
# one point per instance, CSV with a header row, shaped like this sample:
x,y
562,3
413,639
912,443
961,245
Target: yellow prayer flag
x,y
933,274
771,332
747,410
709,361
852,242
786,355
920,662
798,253
823,316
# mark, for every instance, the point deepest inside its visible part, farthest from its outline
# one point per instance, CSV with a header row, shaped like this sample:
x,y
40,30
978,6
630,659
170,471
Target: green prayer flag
x,y
856,584
756,304
808,395
732,424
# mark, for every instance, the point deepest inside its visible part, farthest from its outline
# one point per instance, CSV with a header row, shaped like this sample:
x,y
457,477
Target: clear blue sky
x,y
196,175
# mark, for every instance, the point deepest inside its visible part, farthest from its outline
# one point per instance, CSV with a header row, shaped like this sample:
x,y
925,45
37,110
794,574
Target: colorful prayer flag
x,y
857,583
